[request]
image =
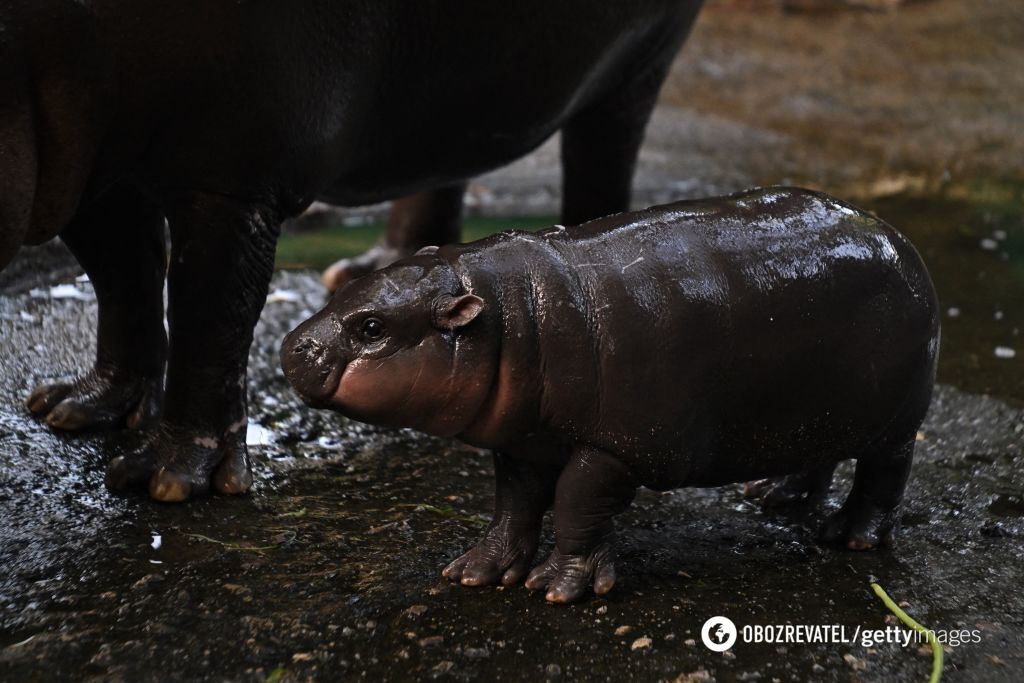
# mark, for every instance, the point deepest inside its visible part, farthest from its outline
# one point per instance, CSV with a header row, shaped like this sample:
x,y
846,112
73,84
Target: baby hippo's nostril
x,y
312,365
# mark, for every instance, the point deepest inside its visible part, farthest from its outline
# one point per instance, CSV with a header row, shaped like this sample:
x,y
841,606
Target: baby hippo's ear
x,y
451,312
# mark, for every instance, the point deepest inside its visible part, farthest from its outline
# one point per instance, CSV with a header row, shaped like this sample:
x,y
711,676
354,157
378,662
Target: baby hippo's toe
x,y
566,577
503,556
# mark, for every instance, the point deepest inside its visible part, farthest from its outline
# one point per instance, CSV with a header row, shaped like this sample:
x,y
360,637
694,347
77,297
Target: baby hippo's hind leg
x,y
792,488
523,493
593,488
870,512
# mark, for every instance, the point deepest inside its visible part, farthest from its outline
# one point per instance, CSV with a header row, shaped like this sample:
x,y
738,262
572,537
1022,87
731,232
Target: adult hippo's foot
x,y
565,578
119,241
215,295
98,400
176,465
419,220
343,271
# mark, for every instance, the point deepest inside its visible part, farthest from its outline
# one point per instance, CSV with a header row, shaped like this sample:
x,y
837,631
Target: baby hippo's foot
x,y
792,488
860,526
177,465
98,400
340,273
566,577
504,553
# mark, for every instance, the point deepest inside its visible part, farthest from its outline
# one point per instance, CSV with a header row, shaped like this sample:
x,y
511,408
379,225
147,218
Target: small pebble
x,y
431,641
416,610
1005,352
641,643
623,630
855,663
552,671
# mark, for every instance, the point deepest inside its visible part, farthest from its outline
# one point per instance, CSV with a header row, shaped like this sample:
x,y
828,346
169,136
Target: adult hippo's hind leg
x,y
593,488
432,217
523,492
222,257
870,512
601,143
119,241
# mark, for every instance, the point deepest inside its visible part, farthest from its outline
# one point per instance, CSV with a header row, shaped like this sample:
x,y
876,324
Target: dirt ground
x,y
330,568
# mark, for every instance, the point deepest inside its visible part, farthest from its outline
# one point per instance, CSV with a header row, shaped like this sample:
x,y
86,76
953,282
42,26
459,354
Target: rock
x,y
641,643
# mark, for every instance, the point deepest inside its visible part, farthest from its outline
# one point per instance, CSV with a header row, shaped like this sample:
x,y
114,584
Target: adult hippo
x,y
224,118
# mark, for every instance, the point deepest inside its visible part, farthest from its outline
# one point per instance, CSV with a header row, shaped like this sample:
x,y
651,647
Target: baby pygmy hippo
x,y
771,333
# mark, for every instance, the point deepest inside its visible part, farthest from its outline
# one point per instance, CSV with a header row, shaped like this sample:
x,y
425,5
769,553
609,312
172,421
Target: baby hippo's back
x,y
713,341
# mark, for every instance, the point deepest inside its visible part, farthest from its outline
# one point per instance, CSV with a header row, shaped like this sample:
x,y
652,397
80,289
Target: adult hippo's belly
x,y
225,118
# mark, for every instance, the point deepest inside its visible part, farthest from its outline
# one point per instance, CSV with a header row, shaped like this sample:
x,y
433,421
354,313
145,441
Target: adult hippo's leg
x,y
523,493
120,243
601,143
870,512
433,217
593,488
222,257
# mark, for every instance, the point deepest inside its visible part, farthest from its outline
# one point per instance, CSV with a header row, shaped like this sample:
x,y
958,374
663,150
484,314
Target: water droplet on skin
x,y
953,312
1004,352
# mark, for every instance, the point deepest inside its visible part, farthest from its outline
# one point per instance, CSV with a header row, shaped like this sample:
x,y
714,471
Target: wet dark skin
x,y
225,118
767,335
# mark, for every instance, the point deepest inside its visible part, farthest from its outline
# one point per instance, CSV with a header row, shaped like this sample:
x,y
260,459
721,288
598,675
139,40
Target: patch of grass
x,y
320,248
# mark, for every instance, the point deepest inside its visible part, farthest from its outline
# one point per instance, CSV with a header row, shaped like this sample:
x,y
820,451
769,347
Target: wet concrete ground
x,y
330,568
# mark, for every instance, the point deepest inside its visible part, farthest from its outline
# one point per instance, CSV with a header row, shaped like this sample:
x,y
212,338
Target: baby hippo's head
x,y
398,347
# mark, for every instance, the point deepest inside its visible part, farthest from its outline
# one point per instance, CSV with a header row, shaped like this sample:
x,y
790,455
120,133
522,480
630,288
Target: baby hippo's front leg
x,y
523,492
593,488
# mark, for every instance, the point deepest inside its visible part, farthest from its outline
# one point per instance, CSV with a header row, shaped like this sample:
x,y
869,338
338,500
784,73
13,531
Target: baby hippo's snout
x,y
313,360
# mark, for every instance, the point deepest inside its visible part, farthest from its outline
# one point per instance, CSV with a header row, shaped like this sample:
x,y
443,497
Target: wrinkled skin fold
x,y
763,336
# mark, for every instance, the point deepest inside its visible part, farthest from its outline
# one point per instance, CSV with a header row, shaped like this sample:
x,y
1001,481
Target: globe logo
x,y
718,633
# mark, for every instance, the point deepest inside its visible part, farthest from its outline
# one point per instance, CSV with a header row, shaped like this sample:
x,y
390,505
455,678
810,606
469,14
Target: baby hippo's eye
x,y
372,330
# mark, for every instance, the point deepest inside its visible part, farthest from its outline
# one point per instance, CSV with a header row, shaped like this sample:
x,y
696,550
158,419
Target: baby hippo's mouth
x,y
313,367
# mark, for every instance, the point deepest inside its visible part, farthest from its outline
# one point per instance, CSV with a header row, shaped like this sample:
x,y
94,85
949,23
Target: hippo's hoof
x,y
566,577
340,273
176,466
98,401
503,554
859,527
